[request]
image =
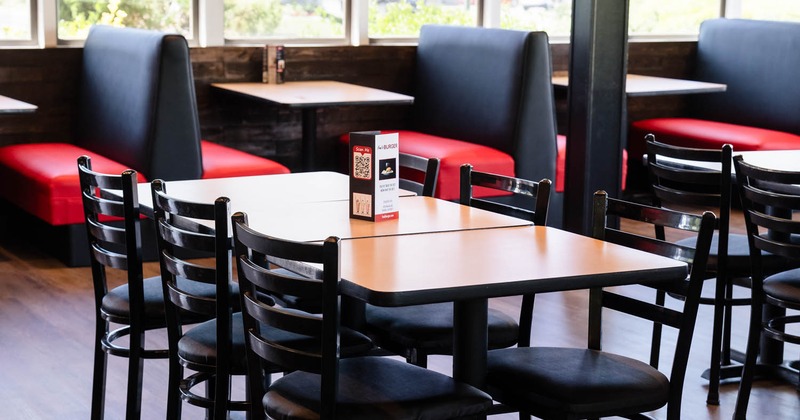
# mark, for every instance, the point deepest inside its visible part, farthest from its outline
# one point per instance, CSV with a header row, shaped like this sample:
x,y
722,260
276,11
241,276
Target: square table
x,y
310,95
14,106
467,267
639,85
249,193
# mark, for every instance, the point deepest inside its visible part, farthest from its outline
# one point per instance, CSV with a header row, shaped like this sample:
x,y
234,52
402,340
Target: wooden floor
x,y
46,324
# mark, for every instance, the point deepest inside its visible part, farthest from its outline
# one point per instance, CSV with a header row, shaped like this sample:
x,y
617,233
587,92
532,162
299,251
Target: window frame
x,y
207,27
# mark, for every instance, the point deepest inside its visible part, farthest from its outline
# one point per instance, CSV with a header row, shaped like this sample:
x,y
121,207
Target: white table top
x,y
638,85
781,160
251,193
13,106
319,220
316,93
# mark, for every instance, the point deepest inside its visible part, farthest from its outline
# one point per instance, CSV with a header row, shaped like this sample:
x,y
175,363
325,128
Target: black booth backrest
x,y
491,87
759,61
138,104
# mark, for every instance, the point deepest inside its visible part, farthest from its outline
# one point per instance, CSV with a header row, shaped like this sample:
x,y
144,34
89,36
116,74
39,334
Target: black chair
x,y
418,331
194,255
681,185
138,304
769,199
322,384
571,383
418,174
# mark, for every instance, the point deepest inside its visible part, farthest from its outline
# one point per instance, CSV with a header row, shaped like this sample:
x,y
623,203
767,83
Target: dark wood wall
x,y
49,78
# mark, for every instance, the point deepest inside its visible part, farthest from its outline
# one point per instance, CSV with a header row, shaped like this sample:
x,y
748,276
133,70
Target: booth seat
x,y
758,61
483,96
136,110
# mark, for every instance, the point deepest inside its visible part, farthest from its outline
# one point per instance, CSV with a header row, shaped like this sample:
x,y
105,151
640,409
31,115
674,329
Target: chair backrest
x,y
535,193
197,254
606,215
769,198
491,87
137,102
111,245
418,174
318,267
529,193
677,185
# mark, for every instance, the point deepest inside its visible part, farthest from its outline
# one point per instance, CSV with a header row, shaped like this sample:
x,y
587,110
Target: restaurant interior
x,y
536,177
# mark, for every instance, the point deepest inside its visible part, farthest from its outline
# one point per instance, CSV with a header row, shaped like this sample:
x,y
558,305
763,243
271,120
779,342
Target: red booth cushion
x,y
690,132
42,179
561,164
221,162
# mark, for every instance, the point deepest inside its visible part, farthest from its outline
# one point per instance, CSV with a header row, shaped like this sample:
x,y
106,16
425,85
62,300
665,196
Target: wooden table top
x,y
319,220
485,263
316,93
13,106
638,85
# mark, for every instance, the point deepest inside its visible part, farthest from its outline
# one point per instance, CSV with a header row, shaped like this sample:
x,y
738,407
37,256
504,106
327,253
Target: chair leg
x,y
721,315
99,374
174,404
728,320
655,343
133,408
222,394
753,341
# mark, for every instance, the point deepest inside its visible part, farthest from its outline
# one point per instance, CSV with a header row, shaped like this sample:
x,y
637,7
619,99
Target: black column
x,y
596,131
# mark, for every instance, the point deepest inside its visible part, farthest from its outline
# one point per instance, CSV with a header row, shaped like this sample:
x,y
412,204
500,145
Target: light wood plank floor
x,y
46,324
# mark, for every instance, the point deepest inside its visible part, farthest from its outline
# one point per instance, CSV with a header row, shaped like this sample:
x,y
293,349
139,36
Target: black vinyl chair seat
x,y
117,304
785,286
430,327
558,379
198,345
376,388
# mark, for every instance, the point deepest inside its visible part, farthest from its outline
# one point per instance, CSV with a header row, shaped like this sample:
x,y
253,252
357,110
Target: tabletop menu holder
x,y
374,176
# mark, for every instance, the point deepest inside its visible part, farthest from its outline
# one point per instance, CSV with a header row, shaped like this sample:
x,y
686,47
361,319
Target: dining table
x,y
436,251
309,96
641,85
15,106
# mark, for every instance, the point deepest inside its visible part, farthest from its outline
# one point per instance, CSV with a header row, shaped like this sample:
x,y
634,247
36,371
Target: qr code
x,y
362,165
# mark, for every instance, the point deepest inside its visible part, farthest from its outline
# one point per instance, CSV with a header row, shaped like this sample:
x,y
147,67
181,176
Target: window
x,y
551,16
674,17
75,17
404,18
284,19
771,9
15,20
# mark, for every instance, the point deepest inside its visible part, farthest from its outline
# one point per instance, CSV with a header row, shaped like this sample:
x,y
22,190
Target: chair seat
x,y
739,256
199,343
430,327
376,388
221,162
557,380
784,286
116,304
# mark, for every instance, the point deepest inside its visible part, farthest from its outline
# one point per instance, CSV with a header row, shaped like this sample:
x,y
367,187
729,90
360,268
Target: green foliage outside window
x,y
405,19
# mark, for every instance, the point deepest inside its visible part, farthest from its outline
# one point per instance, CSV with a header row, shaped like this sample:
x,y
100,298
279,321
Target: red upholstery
x,y
221,162
690,132
452,154
42,179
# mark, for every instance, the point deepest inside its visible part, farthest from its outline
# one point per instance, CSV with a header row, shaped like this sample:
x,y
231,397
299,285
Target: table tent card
x,y
374,176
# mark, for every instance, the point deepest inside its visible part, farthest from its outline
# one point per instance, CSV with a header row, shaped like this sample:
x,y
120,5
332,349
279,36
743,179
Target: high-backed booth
x,y
137,110
758,61
484,97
